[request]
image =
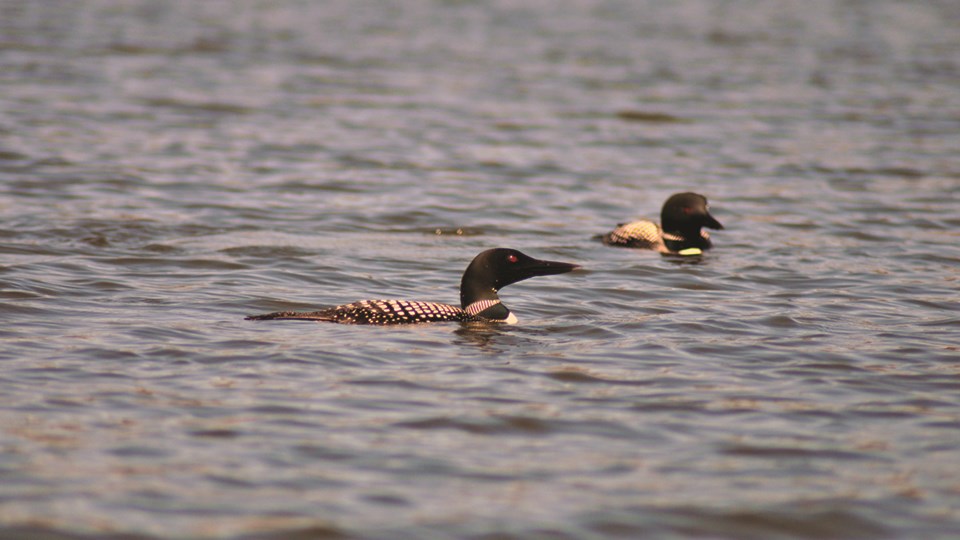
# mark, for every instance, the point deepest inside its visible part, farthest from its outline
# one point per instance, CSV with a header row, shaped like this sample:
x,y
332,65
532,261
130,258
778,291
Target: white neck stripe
x,y
480,305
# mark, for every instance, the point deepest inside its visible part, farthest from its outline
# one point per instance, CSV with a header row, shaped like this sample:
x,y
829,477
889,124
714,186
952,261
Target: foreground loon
x,y
682,217
487,273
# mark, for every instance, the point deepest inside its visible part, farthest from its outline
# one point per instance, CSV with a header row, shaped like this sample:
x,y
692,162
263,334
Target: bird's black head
x,y
496,268
686,213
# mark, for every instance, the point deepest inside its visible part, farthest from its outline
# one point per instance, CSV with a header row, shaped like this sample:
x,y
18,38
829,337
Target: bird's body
x,y
377,312
642,234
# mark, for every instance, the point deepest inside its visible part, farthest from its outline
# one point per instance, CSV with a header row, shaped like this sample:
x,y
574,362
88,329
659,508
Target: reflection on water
x,y
483,336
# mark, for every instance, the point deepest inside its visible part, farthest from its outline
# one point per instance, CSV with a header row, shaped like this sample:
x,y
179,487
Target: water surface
x,y
167,168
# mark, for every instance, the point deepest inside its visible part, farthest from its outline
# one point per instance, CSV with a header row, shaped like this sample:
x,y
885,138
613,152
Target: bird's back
x,y
381,312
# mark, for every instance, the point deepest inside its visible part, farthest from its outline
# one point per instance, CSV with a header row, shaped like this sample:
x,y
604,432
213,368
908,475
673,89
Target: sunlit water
x,y
169,167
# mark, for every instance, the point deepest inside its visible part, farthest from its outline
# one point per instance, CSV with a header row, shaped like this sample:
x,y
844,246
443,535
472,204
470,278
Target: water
x,y
169,167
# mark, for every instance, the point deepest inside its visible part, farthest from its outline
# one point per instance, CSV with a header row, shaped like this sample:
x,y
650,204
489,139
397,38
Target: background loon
x,y
489,271
683,216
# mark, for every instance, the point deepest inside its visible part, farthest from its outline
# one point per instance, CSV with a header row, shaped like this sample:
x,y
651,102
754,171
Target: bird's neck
x,y
687,237
472,292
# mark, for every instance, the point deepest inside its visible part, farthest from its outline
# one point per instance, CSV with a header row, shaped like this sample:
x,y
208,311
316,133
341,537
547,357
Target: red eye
x,y
512,258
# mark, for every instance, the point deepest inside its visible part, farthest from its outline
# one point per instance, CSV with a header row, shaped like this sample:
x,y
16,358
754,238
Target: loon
x,y
489,271
682,216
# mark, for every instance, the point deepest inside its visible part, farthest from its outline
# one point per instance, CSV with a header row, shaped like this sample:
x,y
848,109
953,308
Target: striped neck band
x,y
480,305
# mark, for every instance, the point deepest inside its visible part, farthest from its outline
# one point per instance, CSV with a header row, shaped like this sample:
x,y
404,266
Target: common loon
x,y
489,271
682,217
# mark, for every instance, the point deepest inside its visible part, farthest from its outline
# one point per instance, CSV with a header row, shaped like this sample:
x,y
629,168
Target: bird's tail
x,y
293,315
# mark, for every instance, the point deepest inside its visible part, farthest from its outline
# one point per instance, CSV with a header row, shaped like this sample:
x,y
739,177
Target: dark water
x,y
169,167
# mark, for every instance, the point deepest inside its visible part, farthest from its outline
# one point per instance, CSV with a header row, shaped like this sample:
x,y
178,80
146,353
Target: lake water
x,y
167,168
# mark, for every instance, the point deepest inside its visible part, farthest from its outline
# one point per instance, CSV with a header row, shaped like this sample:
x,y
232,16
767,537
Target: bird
x,y
486,274
680,231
